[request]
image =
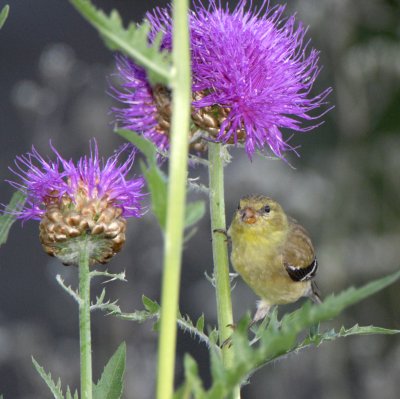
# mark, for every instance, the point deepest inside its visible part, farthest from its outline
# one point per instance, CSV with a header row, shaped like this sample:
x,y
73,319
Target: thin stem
x,y
181,85
84,323
220,252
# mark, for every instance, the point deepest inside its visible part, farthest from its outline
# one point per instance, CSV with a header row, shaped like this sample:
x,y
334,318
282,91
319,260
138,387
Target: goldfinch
x,y
273,253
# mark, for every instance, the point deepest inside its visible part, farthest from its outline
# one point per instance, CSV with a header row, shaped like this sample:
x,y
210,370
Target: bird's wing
x,y
298,254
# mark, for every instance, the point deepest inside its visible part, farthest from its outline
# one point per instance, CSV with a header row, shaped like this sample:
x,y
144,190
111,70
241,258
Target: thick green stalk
x,y
220,247
180,123
84,323
220,252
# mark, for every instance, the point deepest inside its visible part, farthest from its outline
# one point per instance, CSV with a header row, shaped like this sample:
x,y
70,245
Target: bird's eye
x,y
267,209
238,206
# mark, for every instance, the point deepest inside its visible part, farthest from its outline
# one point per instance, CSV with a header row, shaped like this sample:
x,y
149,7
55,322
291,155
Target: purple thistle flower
x,y
142,112
252,75
47,182
89,199
256,68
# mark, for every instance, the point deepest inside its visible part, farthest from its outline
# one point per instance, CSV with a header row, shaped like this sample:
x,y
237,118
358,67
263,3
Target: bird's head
x,y
260,212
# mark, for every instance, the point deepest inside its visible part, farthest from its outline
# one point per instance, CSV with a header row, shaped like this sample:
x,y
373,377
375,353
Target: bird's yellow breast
x,y
257,257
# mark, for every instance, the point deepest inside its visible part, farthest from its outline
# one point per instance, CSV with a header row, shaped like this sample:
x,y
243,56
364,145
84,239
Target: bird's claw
x,y
224,232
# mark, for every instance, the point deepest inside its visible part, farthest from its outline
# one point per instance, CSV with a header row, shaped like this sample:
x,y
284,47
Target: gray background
x,y
345,190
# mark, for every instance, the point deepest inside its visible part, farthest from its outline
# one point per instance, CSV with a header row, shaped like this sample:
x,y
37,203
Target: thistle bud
x,y
90,200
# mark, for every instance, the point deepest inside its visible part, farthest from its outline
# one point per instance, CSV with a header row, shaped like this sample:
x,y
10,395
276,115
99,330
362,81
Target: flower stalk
x,y
219,247
220,253
180,123
84,321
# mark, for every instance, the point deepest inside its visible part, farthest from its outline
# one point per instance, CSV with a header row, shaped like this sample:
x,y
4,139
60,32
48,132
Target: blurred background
x,y
345,189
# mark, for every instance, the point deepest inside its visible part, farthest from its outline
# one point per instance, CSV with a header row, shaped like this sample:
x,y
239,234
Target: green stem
x,y
84,323
220,252
180,123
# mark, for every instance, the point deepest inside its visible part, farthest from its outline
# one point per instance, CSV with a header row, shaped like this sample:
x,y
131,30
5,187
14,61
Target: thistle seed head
x,y
63,227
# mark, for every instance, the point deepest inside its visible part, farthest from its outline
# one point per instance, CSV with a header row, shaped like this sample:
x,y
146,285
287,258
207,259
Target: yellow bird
x,y
273,253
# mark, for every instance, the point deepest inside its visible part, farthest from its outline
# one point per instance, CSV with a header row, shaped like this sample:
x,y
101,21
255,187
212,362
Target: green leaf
x,y
331,335
144,145
132,41
240,342
192,377
54,388
280,338
186,325
69,395
152,312
156,179
3,16
216,363
8,218
151,306
194,212
139,316
271,323
110,385
157,184
333,305
192,387
200,323
366,330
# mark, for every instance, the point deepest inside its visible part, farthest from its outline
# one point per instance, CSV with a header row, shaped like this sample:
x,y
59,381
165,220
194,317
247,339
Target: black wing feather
x,y
302,273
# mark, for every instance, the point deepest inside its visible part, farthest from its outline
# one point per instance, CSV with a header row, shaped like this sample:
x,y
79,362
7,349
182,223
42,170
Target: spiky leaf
x,y
217,368
54,388
280,338
8,218
186,325
151,312
331,335
69,394
139,316
110,385
150,305
200,323
132,41
194,383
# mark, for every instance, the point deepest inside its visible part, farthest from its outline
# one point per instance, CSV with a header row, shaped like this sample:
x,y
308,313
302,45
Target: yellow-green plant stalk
x,y
180,122
220,253
85,337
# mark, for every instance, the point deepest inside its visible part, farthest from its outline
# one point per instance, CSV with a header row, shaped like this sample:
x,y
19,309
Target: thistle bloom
x,y
252,76
145,104
89,199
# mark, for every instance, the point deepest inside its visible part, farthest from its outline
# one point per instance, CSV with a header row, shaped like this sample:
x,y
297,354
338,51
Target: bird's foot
x,y
224,232
262,311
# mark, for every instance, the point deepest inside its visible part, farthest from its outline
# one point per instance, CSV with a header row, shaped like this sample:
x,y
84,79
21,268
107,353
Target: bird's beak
x,y
248,215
